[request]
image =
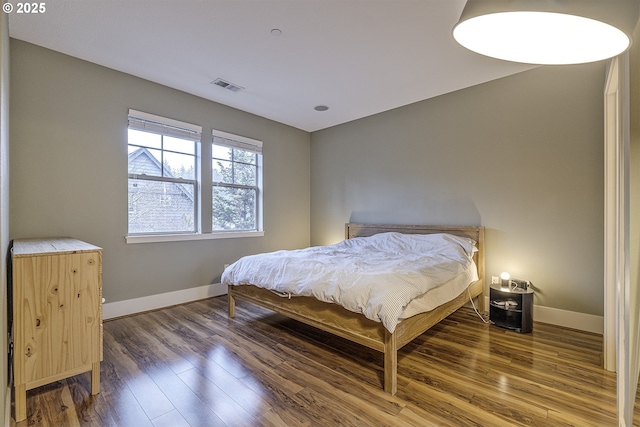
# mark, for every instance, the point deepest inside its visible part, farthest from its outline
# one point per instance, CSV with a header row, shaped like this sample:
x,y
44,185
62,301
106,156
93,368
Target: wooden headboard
x,y
474,232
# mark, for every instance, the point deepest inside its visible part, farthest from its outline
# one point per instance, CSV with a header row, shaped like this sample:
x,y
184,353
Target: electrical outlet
x,y
495,280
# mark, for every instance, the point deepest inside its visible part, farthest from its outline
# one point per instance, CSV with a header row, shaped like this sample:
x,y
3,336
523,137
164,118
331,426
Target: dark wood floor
x,y
190,365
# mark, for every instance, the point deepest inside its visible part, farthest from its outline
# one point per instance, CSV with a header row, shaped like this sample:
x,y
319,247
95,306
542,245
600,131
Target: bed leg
x,y
232,302
390,363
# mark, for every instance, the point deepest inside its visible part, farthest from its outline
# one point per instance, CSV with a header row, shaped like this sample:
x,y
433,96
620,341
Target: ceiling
x,y
358,57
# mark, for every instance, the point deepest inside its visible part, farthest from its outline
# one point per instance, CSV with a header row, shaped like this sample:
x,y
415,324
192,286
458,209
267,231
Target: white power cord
x,y
480,315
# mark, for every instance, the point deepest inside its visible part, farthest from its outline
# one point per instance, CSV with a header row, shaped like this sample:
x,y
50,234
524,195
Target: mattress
x,y
441,294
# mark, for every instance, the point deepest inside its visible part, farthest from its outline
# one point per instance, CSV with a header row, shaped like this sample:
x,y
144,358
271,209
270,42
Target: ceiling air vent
x,y
225,84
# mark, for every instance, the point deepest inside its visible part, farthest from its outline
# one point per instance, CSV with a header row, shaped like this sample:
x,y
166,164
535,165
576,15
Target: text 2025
x,y
31,7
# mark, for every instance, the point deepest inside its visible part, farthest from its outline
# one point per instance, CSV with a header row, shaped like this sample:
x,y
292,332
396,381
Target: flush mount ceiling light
x,y
549,32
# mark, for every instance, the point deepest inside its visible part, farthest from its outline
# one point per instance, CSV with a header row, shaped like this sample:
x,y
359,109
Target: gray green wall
x,y
522,155
69,170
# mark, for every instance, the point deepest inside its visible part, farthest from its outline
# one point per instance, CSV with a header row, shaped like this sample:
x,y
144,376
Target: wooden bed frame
x,y
355,327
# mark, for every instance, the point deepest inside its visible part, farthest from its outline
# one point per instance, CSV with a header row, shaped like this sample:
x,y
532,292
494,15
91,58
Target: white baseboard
x,y
567,319
153,302
553,316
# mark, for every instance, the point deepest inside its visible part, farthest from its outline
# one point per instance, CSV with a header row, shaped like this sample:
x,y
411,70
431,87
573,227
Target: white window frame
x,y
247,144
202,216
165,127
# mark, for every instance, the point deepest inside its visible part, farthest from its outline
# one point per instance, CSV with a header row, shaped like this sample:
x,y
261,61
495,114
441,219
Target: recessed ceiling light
x,y
276,32
321,108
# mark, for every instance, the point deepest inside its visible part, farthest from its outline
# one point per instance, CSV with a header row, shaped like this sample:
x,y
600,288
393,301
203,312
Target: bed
x,y
355,327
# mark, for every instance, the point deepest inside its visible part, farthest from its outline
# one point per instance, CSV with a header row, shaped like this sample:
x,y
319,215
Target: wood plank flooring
x,y
190,365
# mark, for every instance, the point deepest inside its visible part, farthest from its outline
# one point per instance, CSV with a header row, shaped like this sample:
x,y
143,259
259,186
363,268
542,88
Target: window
x,y
171,176
163,166
236,170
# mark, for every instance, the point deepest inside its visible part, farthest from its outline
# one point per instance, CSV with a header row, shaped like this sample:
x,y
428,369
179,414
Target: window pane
x,y
244,156
179,145
145,139
222,171
145,161
234,209
160,207
179,165
244,174
220,152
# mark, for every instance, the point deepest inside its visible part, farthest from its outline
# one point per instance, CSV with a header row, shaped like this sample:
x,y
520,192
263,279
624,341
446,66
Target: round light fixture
x,y
276,32
541,32
321,108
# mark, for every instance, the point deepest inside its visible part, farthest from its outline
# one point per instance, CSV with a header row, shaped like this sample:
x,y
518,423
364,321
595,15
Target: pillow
x,y
420,243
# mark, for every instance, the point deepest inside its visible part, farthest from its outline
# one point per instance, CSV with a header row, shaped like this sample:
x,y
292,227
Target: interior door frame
x,y
617,349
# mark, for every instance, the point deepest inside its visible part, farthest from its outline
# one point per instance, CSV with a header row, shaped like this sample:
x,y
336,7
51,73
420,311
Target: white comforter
x,y
376,276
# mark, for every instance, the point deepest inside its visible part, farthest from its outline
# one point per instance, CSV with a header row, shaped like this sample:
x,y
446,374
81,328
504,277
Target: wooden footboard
x,y
357,328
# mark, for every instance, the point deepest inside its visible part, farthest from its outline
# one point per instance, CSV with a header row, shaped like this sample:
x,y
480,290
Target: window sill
x,y
153,238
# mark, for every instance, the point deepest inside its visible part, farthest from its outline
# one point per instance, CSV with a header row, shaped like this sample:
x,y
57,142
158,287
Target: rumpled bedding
x,y
376,276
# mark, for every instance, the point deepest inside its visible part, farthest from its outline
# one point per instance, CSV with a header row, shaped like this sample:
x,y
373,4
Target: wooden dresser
x,y
57,313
